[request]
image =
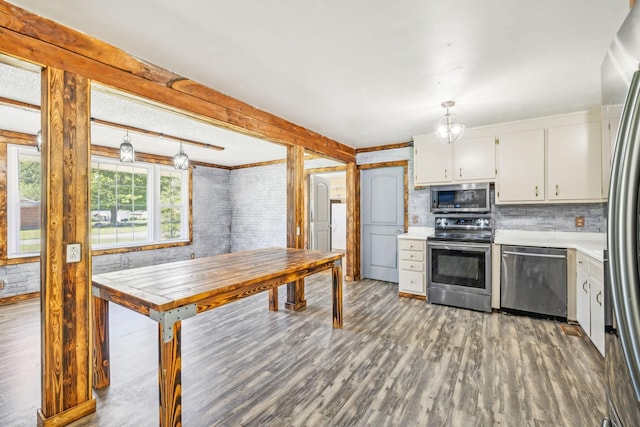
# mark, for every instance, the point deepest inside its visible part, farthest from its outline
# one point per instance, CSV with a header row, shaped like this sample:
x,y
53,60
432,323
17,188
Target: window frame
x,y
104,154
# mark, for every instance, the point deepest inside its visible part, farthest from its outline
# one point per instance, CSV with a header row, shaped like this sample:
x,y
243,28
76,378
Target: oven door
x,y
460,274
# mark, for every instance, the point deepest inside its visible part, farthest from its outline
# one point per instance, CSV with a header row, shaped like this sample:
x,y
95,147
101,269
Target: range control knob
x,y
479,221
486,221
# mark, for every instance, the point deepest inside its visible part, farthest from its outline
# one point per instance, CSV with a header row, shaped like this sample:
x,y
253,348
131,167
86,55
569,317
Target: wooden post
x,y
66,393
169,376
353,222
295,219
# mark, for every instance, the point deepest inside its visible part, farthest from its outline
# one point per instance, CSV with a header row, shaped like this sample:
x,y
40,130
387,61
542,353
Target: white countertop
x,y
420,233
591,244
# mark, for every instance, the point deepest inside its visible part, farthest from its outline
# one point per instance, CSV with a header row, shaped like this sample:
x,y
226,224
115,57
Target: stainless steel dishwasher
x,y
534,280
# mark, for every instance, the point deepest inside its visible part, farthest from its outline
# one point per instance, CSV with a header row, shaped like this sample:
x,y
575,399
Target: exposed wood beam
x,y
25,105
352,272
18,104
295,219
66,356
36,39
156,134
384,147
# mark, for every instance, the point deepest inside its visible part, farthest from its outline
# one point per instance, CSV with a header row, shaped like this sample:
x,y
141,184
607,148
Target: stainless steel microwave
x,y
461,198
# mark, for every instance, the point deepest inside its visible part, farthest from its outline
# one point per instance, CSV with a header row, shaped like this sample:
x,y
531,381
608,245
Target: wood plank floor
x,y
396,362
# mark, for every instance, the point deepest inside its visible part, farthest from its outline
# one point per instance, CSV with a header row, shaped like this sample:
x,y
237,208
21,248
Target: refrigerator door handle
x,y
622,233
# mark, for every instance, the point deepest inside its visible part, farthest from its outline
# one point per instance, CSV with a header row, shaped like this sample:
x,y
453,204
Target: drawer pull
x,y
584,287
599,298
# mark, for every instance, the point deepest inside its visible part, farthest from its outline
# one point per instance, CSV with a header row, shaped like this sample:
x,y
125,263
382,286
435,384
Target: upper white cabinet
x,y
520,158
467,160
551,160
475,159
574,162
432,160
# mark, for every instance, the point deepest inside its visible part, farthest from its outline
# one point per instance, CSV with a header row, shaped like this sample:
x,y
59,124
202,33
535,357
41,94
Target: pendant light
x,y
126,150
450,127
39,140
181,160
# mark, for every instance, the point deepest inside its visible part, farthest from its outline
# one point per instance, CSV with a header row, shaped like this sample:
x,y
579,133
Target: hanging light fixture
x,y
450,127
181,160
126,150
39,140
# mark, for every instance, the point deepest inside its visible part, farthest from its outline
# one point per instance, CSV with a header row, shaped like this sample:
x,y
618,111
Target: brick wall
x,y
259,207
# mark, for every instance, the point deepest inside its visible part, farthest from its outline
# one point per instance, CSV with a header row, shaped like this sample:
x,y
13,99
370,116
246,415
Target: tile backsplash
x,y
552,217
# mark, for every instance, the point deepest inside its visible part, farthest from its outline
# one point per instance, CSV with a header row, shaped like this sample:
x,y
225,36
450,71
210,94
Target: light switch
x,y
73,252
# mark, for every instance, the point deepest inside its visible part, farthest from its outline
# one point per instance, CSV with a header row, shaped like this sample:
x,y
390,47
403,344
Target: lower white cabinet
x,y
413,266
590,298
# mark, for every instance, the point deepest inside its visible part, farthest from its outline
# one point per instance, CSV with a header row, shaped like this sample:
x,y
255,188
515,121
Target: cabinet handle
x,y
599,298
536,191
460,172
557,189
584,286
445,173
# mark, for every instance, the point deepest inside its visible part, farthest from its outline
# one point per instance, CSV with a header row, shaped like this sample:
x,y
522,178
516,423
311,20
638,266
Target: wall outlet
x,y
579,221
73,252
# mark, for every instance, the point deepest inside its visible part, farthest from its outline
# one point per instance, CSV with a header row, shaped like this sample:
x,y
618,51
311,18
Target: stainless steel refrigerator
x,y
621,108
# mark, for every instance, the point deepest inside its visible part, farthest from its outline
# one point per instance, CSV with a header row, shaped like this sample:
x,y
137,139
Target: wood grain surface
x,y
398,361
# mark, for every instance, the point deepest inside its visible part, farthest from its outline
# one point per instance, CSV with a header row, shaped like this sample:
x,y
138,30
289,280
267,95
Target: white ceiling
x,y
368,72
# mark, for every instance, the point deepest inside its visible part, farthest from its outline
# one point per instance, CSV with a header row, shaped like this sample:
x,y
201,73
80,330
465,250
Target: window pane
x,y
170,187
170,204
170,223
118,204
29,172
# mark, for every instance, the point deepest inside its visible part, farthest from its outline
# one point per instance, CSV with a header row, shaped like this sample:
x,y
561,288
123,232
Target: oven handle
x,y
465,245
533,255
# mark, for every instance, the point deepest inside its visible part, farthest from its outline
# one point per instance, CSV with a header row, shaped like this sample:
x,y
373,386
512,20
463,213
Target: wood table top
x,y
208,280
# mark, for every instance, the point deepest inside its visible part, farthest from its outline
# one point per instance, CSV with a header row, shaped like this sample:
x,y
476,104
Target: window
x,y
136,204
132,204
23,199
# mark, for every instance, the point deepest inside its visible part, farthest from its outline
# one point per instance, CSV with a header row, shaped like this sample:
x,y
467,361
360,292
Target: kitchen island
x,y
169,293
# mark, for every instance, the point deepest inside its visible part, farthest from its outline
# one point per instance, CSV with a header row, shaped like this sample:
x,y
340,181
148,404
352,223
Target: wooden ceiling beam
x,y
156,134
27,106
36,39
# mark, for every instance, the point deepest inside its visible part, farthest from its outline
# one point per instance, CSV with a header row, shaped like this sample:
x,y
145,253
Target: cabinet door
x,y
432,160
574,162
475,159
412,282
520,167
583,303
597,313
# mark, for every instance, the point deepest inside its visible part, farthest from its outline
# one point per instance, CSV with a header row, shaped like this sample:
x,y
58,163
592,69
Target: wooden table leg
x,y
273,299
101,366
336,272
169,377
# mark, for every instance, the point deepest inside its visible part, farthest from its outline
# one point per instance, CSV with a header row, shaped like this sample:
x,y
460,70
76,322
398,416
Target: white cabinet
x,y
590,299
413,267
558,163
432,160
467,160
475,159
574,169
520,158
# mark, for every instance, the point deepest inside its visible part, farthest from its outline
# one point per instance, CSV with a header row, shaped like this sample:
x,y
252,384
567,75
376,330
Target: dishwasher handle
x,y
533,255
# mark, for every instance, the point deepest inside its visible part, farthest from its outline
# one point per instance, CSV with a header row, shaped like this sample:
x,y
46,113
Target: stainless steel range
x,y
459,256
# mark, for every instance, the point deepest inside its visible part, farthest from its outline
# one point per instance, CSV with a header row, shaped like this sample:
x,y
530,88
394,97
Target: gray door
x,y
319,214
382,210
